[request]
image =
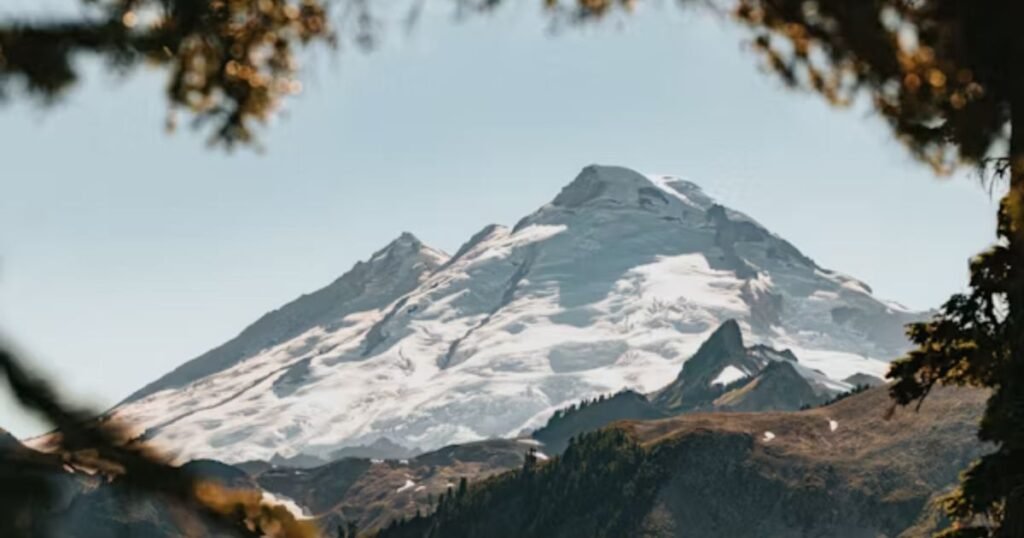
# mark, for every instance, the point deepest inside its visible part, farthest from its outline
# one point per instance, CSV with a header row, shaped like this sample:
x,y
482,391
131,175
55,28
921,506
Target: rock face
x,y
778,387
721,360
611,286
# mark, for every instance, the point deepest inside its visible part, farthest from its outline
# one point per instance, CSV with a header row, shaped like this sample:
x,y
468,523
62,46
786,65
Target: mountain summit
x,y
390,273
612,285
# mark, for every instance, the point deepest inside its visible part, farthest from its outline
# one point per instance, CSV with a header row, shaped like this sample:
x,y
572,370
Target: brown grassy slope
x,y
373,494
869,477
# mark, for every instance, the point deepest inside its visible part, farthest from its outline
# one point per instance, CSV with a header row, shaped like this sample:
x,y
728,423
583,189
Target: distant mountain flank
x,y
612,285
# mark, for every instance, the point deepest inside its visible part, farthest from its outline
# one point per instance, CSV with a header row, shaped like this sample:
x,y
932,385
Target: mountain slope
x,y
840,471
375,492
723,375
587,417
778,387
51,495
721,360
612,285
392,272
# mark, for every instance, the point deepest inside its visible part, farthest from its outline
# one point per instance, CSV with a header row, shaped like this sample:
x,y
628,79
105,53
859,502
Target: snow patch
x,y
288,504
409,484
729,374
614,284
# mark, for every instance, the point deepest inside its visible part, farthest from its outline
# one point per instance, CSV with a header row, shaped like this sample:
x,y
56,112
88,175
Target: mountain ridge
x,y
610,286
350,289
724,375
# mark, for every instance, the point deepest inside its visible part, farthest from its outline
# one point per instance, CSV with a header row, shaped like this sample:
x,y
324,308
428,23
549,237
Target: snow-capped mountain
x,y
612,285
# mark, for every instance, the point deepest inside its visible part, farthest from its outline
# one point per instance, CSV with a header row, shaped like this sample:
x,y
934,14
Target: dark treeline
x,y
857,389
601,486
572,408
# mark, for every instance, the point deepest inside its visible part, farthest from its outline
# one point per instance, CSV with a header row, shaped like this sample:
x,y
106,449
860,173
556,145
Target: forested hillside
x,y
844,470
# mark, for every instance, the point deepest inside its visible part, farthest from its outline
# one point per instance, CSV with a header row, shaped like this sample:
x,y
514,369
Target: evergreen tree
x,y
602,486
529,461
463,486
230,63
946,75
85,443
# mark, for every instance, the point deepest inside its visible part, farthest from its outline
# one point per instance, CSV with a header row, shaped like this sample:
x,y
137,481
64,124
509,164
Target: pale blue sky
x,y
125,251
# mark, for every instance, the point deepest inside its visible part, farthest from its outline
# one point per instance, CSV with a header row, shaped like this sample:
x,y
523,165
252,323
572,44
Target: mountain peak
x,y
620,187
727,337
600,182
722,350
407,238
779,386
390,273
614,284
405,242
406,249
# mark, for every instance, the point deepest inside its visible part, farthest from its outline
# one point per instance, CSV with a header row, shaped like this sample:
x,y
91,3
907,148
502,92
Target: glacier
x,y
611,285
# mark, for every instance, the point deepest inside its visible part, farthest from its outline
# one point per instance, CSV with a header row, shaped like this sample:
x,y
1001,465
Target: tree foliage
x,y
602,485
230,61
98,446
940,72
945,75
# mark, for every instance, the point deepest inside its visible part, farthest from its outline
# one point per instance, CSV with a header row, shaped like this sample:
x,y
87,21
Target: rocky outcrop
x,y
723,375
779,387
694,386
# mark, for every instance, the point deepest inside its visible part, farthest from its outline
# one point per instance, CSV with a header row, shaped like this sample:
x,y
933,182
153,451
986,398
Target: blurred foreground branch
x,y
84,442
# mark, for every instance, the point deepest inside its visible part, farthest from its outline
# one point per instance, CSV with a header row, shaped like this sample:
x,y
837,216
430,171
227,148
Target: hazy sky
x,y
125,251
